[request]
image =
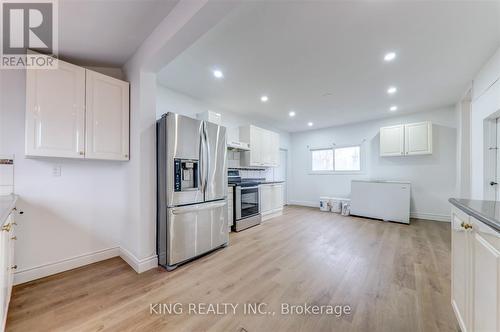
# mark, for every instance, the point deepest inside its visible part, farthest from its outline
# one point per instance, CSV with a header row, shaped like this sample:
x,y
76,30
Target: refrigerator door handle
x,y
201,169
206,156
197,207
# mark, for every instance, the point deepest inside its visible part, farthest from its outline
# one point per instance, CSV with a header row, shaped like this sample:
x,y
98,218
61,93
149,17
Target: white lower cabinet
x,y
271,200
461,268
486,278
7,267
475,274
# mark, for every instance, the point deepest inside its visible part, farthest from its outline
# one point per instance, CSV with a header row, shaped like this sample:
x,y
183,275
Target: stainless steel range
x,y
246,201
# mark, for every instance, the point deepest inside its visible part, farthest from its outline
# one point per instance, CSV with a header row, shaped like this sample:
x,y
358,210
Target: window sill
x,y
336,172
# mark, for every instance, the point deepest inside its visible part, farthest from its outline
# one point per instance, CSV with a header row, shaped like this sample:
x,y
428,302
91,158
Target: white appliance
x,y
386,200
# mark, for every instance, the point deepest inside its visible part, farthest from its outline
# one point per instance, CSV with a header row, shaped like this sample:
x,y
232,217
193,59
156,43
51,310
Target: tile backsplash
x,y
233,159
6,175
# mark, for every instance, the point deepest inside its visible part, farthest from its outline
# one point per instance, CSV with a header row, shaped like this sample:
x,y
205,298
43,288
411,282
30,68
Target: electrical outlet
x,y
56,170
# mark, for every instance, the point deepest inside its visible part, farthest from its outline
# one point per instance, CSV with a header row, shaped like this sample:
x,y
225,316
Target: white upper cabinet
x,y
392,141
264,147
418,138
407,139
72,112
55,112
107,117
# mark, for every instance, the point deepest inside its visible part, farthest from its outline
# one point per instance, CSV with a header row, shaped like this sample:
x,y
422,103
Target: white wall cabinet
x,y
392,141
7,266
475,274
406,139
107,117
72,112
55,112
271,200
264,147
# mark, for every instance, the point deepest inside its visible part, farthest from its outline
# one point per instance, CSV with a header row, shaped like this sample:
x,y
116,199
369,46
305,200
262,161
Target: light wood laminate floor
x,y
394,277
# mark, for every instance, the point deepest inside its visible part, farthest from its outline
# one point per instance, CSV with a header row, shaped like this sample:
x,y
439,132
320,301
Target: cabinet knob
x,y
14,267
14,238
466,226
126,155
81,153
6,228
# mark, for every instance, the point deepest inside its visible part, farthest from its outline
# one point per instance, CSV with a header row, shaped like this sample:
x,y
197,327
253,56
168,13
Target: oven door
x,y
247,202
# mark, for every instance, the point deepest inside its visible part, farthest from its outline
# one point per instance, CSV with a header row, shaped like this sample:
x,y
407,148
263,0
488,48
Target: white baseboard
x,y
45,270
430,216
272,214
304,203
139,265
416,215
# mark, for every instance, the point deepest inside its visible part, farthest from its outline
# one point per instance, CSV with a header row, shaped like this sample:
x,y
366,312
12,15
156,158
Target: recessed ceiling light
x,y
390,56
218,74
393,108
264,99
392,90
310,124
291,114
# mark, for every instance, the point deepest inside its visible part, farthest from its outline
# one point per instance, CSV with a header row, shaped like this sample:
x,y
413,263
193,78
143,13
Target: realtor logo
x,y
28,25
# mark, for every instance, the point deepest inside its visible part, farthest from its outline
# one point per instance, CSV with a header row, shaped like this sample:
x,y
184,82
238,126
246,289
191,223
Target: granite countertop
x,y
487,212
7,203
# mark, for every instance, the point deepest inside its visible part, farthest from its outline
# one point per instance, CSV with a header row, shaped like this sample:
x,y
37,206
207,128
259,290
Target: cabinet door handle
x,y
14,238
493,183
14,267
6,228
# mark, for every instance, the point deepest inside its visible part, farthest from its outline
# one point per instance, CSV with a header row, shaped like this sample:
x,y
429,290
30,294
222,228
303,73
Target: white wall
x,y
485,105
432,176
168,100
68,220
463,113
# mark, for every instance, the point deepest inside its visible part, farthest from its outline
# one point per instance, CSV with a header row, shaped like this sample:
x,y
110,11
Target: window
x,y
322,160
347,159
338,159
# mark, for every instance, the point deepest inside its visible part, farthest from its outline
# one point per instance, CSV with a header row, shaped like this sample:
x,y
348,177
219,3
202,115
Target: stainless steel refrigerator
x,y
191,189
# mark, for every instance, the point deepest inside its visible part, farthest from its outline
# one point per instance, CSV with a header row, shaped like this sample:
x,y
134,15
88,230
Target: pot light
x,y
310,124
291,114
264,99
390,56
392,90
218,74
393,108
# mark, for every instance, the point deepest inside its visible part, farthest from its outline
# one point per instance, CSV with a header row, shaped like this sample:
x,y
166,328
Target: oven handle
x,y
237,202
243,188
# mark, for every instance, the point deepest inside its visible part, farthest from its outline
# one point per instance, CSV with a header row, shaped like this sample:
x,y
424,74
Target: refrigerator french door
x,y
191,189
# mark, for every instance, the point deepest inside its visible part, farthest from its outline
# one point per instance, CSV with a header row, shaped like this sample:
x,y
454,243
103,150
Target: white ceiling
x,y
107,32
324,60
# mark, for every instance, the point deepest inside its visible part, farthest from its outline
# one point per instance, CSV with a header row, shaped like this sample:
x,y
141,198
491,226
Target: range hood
x,y
238,146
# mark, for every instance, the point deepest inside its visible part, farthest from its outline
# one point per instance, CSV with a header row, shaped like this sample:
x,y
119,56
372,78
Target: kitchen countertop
x,y
260,182
7,203
487,212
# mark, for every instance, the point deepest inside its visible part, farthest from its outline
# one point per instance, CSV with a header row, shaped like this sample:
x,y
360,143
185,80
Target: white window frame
x,y
334,172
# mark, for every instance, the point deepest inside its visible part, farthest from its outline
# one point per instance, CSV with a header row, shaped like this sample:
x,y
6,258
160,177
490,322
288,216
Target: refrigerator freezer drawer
x,y
196,229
